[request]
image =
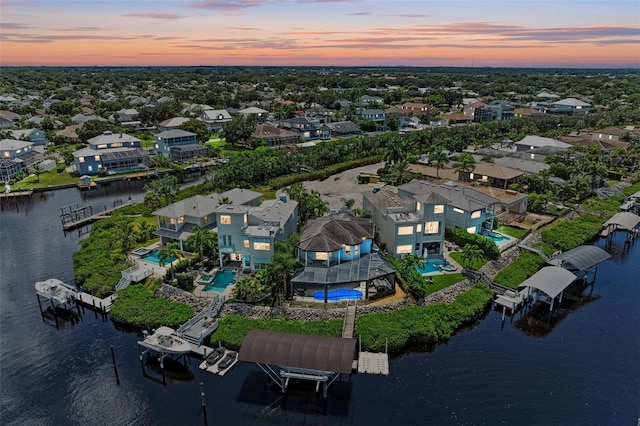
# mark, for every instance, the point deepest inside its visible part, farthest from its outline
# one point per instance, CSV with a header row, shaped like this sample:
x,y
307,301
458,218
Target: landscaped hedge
x,y
281,182
461,237
233,329
136,305
522,268
422,325
572,233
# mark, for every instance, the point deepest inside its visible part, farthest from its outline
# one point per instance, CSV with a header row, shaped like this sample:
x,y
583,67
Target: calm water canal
x,y
584,371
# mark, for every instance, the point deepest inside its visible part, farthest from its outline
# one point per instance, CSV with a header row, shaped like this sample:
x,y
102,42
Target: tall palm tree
x,y
224,201
438,159
470,253
394,152
169,251
400,173
348,202
466,164
201,240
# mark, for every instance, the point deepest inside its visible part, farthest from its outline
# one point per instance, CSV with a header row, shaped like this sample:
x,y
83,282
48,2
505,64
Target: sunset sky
x,y
574,33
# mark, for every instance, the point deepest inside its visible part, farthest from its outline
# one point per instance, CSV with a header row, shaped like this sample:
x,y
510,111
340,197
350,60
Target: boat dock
x,y
349,321
373,363
74,216
101,305
230,358
13,194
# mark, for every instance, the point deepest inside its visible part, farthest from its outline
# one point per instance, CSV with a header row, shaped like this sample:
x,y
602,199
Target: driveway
x,y
344,185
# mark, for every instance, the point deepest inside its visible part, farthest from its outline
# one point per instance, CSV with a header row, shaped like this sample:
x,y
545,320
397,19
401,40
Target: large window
x,y
431,227
261,246
476,214
471,229
438,209
419,227
405,230
321,255
404,249
246,243
457,210
225,219
347,250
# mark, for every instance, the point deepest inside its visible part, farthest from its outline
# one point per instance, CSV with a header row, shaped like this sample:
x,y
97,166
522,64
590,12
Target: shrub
x,y
572,233
233,329
185,281
461,237
137,306
522,268
422,325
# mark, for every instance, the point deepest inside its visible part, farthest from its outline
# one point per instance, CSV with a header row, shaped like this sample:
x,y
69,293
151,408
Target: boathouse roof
x,y
580,258
552,280
333,354
624,220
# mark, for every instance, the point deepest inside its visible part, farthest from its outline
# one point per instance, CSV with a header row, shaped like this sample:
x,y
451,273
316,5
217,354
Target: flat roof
x,y
580,258
332,354
552,280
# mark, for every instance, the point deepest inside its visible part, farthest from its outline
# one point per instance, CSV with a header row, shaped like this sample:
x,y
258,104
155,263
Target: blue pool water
x,y
153,258
223,279
495,237
430,266
338,294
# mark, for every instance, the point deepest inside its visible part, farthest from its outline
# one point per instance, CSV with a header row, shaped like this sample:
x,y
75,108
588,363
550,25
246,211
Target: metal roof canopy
x,y
552,280
624,220
580,258
320,353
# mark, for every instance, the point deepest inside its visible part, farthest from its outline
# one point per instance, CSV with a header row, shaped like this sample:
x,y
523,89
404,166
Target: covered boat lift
x,y
550,280
626,221
314,358
581,260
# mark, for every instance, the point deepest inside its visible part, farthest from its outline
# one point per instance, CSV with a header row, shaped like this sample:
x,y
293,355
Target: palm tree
x,y
201,239
224,201
169,251
470,253
394,152
400,173
412,260
146,231
348,202
282,267
466,164
438,159
37,170
247,289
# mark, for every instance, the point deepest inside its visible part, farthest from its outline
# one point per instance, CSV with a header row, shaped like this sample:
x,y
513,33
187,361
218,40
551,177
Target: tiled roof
x,y
329,233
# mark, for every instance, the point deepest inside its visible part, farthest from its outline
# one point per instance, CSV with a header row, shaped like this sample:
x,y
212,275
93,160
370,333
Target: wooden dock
x,y
13,194
103,305
72,220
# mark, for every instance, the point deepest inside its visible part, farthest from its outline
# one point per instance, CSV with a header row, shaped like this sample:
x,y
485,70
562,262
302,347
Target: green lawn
x,y
51,178
476,264
443,281
511,231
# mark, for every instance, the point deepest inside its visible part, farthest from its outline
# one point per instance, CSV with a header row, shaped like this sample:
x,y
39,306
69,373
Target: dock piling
x,y
204,403
115,368
40,305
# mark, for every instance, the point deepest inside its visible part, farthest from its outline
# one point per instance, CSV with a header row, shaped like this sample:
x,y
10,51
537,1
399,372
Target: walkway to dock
x,y
349,321
203,324
12,194
81,216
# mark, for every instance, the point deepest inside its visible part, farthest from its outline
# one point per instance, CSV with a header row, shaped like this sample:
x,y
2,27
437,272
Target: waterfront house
x,y
114,152
15,156
408,225
215,118
179,145
248,234
337,251
570,106
175,221
465,207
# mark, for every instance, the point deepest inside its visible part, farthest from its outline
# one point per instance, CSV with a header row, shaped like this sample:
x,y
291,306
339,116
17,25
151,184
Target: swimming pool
x,y
141,251
152,257
338,294
222,280
431,266
495,236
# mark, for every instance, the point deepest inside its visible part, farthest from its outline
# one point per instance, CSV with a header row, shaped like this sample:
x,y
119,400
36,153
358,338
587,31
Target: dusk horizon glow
x,y
562,34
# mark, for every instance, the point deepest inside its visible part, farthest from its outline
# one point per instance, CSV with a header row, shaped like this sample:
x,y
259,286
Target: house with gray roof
x,y
465,207
176,220
571,106
38,137
247,234
15,156
114,152
179,145
215,118
338,252
408,225
339,129
531,142
172,123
